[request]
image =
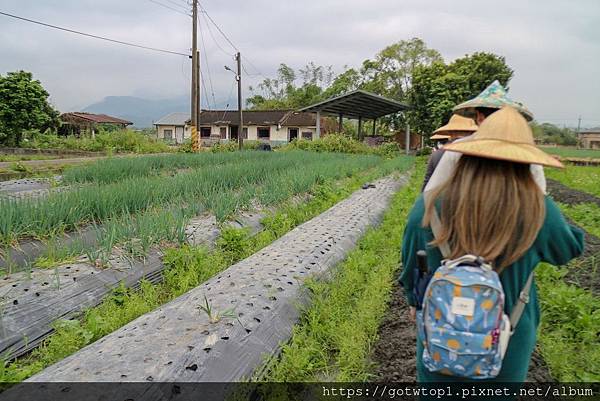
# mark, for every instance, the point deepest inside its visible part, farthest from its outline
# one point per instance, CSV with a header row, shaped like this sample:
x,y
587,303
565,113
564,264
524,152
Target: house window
x,y
223,132
205,132
168,134
307,135
293,134
264,132
245,133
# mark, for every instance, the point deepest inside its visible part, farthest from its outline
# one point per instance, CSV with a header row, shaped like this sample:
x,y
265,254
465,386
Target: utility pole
x,y
578,131
195,77
238,77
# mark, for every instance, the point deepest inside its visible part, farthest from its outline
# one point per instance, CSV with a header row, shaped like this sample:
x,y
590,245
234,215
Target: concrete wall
x,y
277,136
590,140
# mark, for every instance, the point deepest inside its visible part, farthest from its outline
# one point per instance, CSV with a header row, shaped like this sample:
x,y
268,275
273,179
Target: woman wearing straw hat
x,y
492,207
457,127
479,108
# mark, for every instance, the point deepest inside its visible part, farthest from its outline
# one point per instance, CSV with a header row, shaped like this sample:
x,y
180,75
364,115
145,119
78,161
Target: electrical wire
x,y
212,90
170,7
228,100
203,10
94,36
205,92
213,36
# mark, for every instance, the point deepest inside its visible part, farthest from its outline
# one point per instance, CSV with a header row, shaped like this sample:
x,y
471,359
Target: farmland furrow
x,y
264,289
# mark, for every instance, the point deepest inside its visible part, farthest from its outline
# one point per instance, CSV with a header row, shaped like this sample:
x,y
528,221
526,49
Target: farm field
x,y
189,266
355,326
564,151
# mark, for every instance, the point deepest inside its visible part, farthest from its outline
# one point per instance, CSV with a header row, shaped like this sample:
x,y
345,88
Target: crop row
x,y
187,267
221,189
120,168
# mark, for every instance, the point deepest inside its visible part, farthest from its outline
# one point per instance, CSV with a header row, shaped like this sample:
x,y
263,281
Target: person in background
x,y
458,127
479,108
492,207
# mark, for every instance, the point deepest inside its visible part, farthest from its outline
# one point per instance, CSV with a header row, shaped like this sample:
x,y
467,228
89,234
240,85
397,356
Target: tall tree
x,y
437,88
390,73
23,106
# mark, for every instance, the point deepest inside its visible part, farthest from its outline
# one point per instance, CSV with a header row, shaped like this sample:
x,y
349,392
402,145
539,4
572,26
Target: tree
x,y
438,87
23,106
390,73
284,93
550,133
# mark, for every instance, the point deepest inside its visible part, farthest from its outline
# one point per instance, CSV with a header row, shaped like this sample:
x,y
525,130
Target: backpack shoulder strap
x,y
515,314
436,228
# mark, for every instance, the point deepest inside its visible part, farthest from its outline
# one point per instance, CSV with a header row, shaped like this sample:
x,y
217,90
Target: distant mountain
x,y
141,112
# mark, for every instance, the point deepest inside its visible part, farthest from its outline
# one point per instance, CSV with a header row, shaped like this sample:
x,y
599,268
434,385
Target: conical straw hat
x,y
493,97
504,135
458,123
439,136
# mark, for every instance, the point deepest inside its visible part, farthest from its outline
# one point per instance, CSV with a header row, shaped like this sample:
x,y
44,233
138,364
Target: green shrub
x,y
113,141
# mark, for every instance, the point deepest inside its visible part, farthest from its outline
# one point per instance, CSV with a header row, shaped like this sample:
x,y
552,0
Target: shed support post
x,y
318,124
360,135
340,126
374,126
407,139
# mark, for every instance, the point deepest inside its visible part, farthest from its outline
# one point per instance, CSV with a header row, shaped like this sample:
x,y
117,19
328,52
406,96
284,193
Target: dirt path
x,y
568,195
395,352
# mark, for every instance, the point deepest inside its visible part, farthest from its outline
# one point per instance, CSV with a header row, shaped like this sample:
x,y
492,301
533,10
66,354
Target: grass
x,y
587,215
116,169
187,267
583,178
334,338
570,323
222,189
17,158
572,152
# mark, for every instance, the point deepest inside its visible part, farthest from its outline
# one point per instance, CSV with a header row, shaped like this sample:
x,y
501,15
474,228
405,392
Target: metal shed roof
x,y
358,103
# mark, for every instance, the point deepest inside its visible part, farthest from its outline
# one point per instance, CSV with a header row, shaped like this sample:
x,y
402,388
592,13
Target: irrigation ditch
x,y
220,330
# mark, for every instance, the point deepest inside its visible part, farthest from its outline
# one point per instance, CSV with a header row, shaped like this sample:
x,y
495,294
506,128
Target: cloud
x,y
553,47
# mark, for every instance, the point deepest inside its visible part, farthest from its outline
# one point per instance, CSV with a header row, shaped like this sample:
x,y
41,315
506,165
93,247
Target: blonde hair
x,y
490,208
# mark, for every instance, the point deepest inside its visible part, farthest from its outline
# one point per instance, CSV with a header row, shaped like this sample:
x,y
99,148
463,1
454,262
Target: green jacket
x,y
556,243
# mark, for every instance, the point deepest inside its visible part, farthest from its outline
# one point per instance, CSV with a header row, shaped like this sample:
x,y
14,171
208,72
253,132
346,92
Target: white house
x,y
273,126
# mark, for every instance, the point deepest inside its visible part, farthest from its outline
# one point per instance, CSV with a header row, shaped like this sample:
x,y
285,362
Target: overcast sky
x,y
553,45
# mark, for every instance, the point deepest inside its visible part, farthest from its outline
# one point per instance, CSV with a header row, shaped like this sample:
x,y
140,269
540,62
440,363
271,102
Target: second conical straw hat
x,y
504,135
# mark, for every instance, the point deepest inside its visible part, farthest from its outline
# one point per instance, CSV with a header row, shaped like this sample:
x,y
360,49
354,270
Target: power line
x,y
94,36
213,37
170,7
207,16
207,67
203,10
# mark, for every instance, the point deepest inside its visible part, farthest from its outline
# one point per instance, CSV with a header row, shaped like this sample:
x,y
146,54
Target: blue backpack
x,y
462,323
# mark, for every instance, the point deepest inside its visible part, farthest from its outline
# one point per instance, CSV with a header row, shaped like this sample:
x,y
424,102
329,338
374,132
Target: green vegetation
x,y
550,133
568,333
269,178
586,215
583,178
119,168
187,267
342,144
23,106
18,158
438,87
334,338
572,152
122,141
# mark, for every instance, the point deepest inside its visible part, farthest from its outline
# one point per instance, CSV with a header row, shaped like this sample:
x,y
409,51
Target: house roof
x,y
358,103
286,118
177,118
95,118
591,131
